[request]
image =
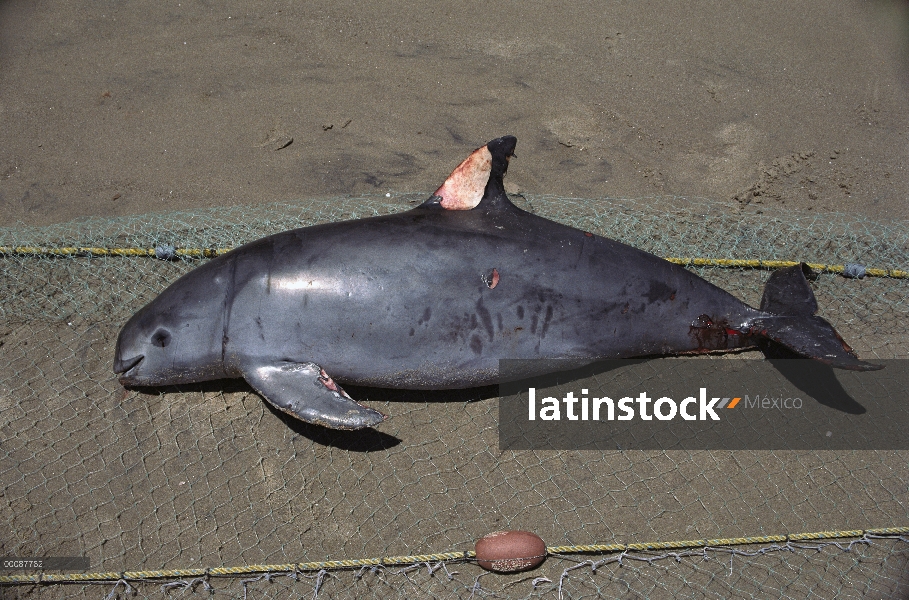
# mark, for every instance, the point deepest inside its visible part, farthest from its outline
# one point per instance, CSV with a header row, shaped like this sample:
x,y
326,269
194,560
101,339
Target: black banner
x,y
702,403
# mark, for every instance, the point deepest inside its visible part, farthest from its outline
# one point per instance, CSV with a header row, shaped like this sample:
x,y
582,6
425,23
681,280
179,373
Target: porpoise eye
x,y
161,338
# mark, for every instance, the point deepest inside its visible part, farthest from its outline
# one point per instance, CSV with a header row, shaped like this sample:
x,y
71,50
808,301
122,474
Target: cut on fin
x,y
478,179
465,186
305,391
791,322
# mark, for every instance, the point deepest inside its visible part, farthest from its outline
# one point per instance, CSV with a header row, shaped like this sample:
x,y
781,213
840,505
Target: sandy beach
x,y
128,108
113,109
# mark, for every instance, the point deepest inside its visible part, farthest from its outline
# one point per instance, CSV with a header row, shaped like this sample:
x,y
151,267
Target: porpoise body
x,y
434,297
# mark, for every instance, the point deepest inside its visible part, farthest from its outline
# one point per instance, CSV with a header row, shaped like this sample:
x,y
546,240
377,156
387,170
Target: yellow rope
x,y
213,252
422,558
95,251
779,264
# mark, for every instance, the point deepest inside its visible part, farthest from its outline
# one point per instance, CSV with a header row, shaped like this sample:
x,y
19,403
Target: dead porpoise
x,y
433,297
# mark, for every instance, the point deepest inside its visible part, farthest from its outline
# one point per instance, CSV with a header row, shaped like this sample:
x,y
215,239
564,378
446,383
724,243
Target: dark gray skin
x,y
432,299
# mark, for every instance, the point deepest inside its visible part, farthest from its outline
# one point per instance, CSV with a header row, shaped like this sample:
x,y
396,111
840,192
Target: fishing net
x,y
205,488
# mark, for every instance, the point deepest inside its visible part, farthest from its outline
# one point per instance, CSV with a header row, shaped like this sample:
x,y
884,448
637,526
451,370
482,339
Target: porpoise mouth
x,y
121,366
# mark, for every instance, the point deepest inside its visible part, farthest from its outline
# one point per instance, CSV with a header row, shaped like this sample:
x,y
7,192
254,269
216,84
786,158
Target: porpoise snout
x,y
123,365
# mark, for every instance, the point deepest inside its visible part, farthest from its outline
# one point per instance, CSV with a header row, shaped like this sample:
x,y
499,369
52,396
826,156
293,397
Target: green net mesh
x,y
207,476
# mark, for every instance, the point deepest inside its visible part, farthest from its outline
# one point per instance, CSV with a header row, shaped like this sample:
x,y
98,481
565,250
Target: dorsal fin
x,y
478,177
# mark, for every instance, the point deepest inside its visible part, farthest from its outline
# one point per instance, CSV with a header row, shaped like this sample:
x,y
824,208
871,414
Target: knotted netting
x,y
204,487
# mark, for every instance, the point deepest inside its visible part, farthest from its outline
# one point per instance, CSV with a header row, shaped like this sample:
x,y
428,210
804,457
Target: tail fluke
x,y
787,292
791,322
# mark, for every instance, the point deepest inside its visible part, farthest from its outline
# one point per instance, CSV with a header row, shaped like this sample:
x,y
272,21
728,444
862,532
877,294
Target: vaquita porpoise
x,y
433,297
